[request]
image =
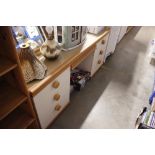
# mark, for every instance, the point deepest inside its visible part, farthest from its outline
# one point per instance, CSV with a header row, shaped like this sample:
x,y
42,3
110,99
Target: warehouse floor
x,y
118,91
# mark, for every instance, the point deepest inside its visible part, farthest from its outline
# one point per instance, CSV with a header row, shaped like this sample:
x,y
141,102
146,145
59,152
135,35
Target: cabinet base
x,y
48,127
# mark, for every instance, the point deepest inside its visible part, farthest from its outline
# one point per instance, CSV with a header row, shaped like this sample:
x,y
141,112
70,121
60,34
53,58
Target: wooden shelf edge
x,y
11,101
18,119
28,123
6,66
9,111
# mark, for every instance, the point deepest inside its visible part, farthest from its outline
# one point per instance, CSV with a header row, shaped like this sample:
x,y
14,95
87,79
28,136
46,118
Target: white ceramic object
x,y
50,49
69,37
95,29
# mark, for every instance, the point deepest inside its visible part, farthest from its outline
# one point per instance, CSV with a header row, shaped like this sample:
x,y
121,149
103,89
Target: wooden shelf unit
x,y
6,65
16,108
10,98
18,119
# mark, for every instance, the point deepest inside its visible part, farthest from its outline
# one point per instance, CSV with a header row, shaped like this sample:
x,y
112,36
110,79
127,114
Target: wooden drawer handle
x,y
103,42
56,84
57,107
101,52
56,97
99,62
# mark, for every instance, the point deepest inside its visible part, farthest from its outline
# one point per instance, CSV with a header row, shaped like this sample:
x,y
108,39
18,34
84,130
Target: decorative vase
x,y
32,68
50,49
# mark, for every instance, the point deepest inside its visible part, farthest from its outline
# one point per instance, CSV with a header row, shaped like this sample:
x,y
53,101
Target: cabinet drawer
x,y
64,87
102,44
99,54
101,48
96,59
57,92
97,63
122,33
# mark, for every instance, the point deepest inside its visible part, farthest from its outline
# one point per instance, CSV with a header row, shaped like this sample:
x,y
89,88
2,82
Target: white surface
x,y
112,41
44,102
122,33
87,63
151,49
67,41
91,63
95,29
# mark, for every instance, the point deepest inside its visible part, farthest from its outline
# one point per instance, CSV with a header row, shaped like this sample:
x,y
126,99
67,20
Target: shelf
x,y
18,119
10,98
16,109
6,65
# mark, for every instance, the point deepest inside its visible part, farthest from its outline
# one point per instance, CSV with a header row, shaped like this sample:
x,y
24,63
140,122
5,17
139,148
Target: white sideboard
x,y
53,98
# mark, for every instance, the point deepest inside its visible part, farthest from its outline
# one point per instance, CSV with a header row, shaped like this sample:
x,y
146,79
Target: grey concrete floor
x,y
118,91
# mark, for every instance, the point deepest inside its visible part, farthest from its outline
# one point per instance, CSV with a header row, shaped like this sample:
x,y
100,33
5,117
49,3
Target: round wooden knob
x,y
103,41
57,107
56,84
99,61
56,97
101,52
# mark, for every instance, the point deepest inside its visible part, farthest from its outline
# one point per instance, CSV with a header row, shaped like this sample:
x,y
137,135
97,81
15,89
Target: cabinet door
x,y
87,63
92,64
46,105
102,46
113,37
122,33
96,64
64,89
95,60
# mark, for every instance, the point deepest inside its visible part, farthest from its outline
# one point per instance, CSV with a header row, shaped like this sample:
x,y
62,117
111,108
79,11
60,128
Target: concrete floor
x,y
118,91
